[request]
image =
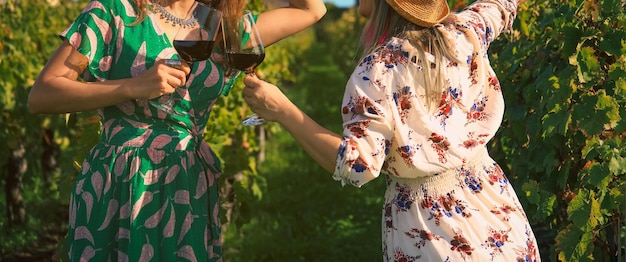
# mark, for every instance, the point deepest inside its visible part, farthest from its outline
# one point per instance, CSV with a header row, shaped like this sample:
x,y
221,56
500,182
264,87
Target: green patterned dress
x,y
148,191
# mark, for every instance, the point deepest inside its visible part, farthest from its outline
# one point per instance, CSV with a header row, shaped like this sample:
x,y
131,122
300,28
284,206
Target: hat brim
x,y
425,13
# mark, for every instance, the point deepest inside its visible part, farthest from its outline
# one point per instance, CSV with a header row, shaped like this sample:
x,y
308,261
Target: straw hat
x,y
425,13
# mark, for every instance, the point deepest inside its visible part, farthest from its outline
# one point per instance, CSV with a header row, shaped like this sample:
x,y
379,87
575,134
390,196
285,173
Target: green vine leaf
x,y
590,150
613,41
587,64
596,113
579,209
597,175
567,241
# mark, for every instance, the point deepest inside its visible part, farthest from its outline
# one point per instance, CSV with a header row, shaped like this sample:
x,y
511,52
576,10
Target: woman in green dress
x,y
148,190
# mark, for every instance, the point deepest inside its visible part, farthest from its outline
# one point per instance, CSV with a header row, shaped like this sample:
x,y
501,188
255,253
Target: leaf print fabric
x,y
446,199
148,191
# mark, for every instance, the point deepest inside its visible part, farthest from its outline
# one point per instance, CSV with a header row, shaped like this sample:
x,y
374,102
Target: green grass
x,y
305,215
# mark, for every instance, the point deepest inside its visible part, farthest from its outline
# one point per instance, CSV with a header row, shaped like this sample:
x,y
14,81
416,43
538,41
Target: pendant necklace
x,y
171,18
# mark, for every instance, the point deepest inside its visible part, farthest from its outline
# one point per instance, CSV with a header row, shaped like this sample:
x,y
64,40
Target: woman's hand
x,y
266,99
160,79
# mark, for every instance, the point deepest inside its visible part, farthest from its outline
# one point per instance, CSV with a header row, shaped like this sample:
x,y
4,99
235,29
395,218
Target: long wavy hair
x,y
385,23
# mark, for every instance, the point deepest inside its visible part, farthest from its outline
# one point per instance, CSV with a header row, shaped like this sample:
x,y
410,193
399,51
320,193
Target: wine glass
x,y
194,42
244,50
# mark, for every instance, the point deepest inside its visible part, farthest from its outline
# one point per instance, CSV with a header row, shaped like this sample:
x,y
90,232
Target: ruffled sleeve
x,y
92,35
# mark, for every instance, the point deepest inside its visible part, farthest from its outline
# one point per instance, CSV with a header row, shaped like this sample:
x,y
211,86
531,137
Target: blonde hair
x,y
386,23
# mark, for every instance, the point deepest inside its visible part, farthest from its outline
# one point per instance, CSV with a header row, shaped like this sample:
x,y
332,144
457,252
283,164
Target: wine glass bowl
x,y
193,42
245,62
197,44
244,49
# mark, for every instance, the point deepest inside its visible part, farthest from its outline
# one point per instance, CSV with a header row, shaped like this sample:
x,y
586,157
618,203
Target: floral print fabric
x,y
148,191
446,199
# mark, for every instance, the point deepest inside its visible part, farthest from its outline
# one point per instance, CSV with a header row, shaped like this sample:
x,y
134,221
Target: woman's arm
x,y
270,103
489,18
56,89
279,23
369,113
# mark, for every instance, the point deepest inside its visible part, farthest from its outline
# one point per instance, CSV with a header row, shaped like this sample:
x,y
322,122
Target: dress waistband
x,y
440,183
152,137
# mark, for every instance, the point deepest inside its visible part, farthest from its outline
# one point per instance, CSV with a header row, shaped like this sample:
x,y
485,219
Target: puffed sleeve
x,y
367,122
92,35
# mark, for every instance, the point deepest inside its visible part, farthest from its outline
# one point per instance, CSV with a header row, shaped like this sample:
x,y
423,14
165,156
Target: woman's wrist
x,y
124,90
289,114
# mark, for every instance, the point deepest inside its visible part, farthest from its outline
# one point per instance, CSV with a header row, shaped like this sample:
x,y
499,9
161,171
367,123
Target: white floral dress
x,y
446,198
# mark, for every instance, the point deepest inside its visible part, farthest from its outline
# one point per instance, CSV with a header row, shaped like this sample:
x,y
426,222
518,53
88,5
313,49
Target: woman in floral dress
x,y
148,191
419,108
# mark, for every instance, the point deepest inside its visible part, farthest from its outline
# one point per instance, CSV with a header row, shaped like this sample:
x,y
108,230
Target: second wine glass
x,y
244,50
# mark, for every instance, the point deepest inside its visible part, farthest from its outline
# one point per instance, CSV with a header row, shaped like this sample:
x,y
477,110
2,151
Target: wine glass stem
x,y
253,119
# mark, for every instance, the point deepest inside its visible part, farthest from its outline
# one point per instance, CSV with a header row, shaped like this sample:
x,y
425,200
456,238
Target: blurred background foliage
x,y
563,73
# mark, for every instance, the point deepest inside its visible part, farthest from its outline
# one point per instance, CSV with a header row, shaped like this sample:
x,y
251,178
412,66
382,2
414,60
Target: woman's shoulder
x,y
398,46
389,49
391,45
391,53
114,7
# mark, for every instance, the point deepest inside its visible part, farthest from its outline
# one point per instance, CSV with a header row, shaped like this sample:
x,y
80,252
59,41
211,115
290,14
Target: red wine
x,y
193,51
245,61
